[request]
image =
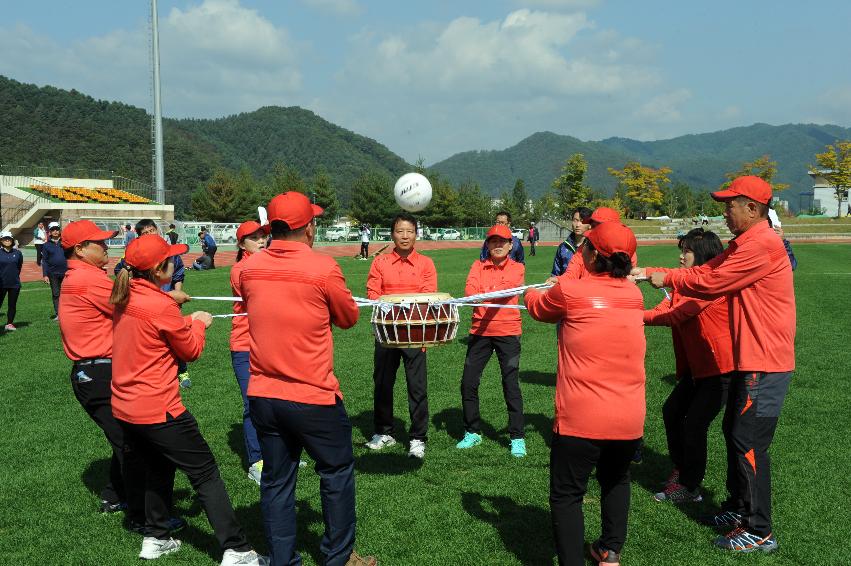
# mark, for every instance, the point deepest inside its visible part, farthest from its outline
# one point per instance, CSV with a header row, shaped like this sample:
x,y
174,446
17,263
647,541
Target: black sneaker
x,y
603,556
175,524
638,457
109,507
678,493
722,519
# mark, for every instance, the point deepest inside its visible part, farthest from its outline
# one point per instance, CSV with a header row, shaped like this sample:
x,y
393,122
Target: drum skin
x,y
416,320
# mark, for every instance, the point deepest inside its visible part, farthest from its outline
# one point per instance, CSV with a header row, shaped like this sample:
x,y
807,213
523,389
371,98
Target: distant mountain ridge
x,y
51,126
699,160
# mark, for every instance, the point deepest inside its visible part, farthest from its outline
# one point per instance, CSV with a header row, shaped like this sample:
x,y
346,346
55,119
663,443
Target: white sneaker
x,y
380,441
249,557
154,548
255,470
417,449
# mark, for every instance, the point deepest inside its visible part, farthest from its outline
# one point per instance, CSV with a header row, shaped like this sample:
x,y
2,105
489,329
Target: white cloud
x,y
338,7
217,58
664,107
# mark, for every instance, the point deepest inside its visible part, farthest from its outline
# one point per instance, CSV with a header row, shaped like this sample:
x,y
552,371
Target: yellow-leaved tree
x,y
643,185
762,167
835,167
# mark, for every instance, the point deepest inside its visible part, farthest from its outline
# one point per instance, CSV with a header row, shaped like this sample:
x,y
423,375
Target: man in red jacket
x,y
755,274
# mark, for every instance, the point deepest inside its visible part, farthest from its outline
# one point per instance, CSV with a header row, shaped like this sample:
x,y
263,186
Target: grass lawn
x,y
475,507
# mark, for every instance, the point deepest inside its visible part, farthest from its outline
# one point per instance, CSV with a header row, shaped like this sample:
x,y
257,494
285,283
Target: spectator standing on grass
x,y
533,237
39,238
172,234
755,274
208,244
580,220
700,330
294,396
599,397
364,241
11,262
494,330
54,265
149,335
503,217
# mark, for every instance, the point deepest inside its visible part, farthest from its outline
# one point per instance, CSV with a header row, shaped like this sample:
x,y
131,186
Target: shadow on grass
x,y
236,442
96,476
525,530
538,378
452,421
543,425
363,422
670,379
389,462
308,537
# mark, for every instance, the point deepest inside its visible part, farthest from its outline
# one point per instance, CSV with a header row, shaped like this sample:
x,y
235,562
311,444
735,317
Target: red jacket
x,y
485,277
292,296
393,274
701,333
150,334
755,274
239,340
85,314
601,345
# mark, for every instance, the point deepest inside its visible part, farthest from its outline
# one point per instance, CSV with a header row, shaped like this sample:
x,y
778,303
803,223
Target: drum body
x,y
416,320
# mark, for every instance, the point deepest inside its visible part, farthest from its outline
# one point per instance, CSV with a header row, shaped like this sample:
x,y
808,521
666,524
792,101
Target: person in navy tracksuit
x,y
53,264
11,262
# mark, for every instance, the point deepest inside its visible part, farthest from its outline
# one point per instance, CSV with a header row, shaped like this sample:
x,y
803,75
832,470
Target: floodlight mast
x,y
159,169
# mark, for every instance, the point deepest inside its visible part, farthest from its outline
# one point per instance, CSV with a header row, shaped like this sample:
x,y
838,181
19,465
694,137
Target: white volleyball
x,y
412,192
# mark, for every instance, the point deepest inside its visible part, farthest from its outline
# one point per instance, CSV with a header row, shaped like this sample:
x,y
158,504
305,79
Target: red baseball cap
x,y
293,208
499,230
150,250
84,231
246,229
605,214
749,186
612,237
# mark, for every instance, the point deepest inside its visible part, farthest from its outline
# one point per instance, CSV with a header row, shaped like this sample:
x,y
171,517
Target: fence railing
x,y
60,172
139,188
12,213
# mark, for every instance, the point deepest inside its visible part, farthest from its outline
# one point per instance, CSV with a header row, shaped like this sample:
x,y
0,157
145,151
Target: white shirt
x,y
364,235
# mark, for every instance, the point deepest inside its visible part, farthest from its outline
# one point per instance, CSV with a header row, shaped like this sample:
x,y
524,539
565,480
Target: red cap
x,y
293,208
84,231
612,237
605,214
749,186
246,229
150,250
499,230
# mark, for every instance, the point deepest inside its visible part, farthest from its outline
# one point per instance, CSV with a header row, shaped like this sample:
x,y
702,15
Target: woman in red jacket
x,y
251,239
599,414
700,330
149,335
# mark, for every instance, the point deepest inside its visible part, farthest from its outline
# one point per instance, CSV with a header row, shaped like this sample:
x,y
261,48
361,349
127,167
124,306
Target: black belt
x,y
93,362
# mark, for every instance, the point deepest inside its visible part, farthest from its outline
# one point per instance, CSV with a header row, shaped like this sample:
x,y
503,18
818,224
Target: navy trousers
x,y
239,360
285,428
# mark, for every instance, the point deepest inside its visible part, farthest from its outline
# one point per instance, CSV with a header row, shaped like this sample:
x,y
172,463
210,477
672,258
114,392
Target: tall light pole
x,y
158,167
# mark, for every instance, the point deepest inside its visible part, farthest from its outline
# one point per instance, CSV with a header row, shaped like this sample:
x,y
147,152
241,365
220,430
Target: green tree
x,y
372,198
762,167
283,179
642,184
520,203
326,197
569,188
222,199
835,167
545,206
476,207
445,207
678,201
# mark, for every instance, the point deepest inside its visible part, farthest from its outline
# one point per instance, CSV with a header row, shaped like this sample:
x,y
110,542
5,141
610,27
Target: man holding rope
x,y
755,273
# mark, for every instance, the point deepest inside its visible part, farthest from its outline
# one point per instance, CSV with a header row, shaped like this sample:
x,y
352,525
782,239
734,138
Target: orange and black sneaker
x,y
603,556
740,540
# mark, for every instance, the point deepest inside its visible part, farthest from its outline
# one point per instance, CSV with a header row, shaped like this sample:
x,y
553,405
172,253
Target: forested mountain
x,y
50,126
699,160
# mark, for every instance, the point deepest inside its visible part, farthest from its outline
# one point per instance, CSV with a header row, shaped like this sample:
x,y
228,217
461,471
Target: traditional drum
x,y
415,320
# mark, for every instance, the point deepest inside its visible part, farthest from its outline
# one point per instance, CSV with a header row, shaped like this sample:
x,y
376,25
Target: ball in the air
x,y
412,192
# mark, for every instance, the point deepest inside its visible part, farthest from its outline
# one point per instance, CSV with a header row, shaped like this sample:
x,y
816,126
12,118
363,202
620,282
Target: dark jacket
x,y
53,260
10,268
178,276
564,253
791,254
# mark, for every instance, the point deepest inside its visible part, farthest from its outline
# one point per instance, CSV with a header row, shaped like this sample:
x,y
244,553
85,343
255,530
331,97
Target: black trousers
x,y
479,350
532,246
384,377
364,249
55,288
178,444
12,307
284,429
211,253
571,461
689,410
91,384
753,409
38,248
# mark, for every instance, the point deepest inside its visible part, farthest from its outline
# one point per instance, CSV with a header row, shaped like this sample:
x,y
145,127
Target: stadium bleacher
x,y
83,194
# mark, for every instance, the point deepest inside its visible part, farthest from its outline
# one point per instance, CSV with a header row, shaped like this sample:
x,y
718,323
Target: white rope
x,y
491,306
229,315
229,299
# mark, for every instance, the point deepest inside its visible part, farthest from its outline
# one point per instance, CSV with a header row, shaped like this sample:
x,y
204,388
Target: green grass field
x,y
473,507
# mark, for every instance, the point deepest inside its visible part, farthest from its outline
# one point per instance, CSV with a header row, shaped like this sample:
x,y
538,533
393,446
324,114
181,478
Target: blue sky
x,y
429,79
